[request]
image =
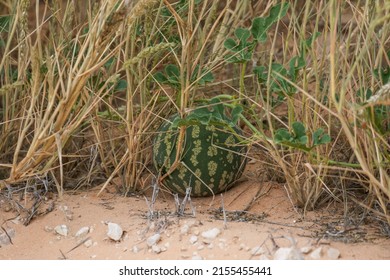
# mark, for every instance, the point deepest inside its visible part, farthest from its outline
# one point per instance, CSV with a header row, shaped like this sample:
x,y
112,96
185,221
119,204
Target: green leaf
x,y
309,41
230,44
261,25
282,135
299,130
236,114
261,73
121,85
172,73
160,77
319,137
242,34
207,77
4,23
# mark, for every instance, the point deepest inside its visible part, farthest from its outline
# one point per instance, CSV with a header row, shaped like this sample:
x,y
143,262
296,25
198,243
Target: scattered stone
x,y
211,234
316,254
163,249
193,239
184,229
241,246
88,243
62,230
200,247
68,213
5,237
333,253
257,251
156,249
114,232
196,257
152,240
82,232
263,257
306,249
135,249
221,245
48,229
288,253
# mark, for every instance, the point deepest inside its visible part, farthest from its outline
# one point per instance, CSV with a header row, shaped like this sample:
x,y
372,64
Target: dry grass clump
x,y
83,90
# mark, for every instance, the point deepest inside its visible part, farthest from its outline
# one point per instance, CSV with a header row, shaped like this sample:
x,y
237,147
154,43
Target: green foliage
x,y
243,45
4,23
260,26
213,112
298,137
281,78
377,115
171,76
383,73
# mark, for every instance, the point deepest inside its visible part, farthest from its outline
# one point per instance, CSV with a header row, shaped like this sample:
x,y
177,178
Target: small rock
x,y
48,229
196,257
333,253
306,249
221,245
135,249
62,230
211,234
256,251
263,257
82,232
5,237
316,254
193,239
163,249
184,229
156,249
288,253
88,243
114,231
152,240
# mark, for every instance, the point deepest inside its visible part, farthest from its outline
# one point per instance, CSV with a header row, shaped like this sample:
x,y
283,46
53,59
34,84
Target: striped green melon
x,y
212,158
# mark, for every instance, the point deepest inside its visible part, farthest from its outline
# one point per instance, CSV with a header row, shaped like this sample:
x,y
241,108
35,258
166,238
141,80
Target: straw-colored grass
x,y
80,101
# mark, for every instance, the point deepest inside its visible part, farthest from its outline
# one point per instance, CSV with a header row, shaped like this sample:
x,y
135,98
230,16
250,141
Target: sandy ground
x,y
271,223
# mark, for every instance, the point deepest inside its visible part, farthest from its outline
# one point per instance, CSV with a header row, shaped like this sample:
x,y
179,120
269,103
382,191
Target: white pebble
x,y
333,253
82,232
152,240
62,230
288,253
88,243
211,234
316,254
193,239
156,249
196,257
184,229
135,249
306,249
114,231
256,251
